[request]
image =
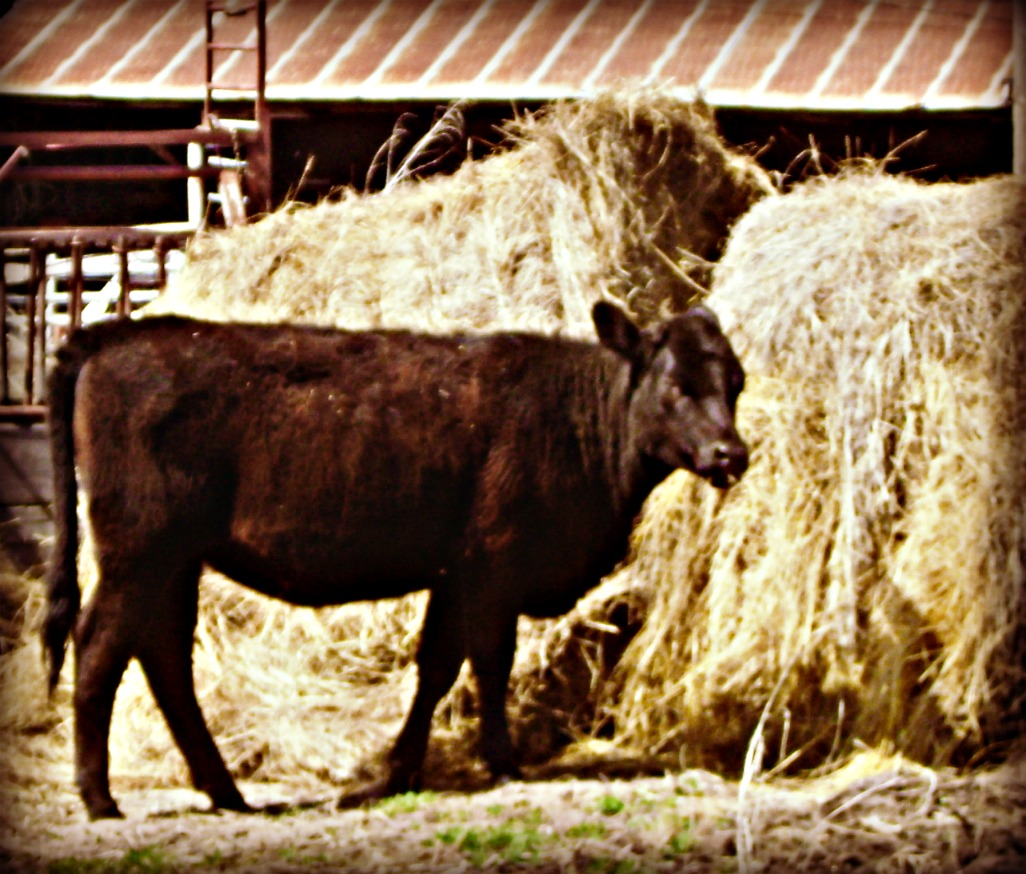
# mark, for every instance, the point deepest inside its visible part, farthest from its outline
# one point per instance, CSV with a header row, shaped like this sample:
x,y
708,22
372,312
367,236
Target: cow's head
x,y
686,380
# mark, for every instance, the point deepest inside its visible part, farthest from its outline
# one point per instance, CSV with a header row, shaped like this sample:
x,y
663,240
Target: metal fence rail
x,y
52,281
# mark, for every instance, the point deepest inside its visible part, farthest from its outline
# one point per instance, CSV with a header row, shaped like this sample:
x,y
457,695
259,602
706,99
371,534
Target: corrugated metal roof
x,y
823,54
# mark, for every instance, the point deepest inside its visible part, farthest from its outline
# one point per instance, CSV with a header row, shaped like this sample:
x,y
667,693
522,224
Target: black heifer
x,y
503,472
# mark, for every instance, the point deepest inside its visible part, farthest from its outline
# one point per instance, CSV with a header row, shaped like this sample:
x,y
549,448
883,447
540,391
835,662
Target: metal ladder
x,y
244,178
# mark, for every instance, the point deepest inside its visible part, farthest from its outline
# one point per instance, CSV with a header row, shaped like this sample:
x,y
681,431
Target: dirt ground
x,y
873,815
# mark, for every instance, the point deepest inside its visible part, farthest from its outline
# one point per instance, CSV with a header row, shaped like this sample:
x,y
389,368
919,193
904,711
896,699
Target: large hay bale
x,y
595,197
865,580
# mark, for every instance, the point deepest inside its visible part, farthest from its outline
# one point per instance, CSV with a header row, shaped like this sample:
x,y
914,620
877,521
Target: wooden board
x,y
26,520
24,465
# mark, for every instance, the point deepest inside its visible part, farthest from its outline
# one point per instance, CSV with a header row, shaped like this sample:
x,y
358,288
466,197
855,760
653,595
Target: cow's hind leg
x,y
102,651
166,658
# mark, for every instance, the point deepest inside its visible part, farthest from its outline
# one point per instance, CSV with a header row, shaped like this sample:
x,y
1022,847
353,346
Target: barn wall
x,y
955,146
343,138
73,204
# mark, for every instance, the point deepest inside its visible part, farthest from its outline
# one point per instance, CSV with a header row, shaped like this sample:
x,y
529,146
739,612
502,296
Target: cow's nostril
x,y
731,455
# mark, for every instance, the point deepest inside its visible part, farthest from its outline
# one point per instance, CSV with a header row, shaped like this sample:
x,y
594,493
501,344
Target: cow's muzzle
x,y
726,462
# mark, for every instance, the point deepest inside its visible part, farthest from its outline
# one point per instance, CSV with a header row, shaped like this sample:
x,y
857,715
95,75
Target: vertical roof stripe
x,y
126,59
674,44
956,52
400,47
842,52
616,45
84,48
543,68
1003,77
308,33
198,38
512,41
712,71
457,42
40,39
350,44
883,77
787,47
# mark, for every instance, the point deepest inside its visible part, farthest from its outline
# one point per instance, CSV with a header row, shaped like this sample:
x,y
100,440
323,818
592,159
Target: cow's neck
x,y
634,474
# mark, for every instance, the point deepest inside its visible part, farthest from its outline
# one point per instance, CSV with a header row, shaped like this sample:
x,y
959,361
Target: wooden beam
x,y
111,172
23,412
12,162
1019,87
96,139
134,236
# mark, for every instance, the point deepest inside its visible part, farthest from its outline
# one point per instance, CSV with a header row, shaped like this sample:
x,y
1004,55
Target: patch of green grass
x,y
408,802
518,840
587,830
614,866
294,856
213,859
535,817
688,786
682,841
449,835
134,861
610,805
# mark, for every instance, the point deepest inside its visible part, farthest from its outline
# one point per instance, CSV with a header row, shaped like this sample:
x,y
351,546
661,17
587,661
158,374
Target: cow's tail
x,y
63,595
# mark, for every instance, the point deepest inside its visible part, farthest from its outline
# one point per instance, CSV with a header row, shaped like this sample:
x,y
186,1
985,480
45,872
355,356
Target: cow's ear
x,y
706,314
616,331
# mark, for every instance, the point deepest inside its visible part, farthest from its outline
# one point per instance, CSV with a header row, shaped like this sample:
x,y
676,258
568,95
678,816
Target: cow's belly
x,y
322,554
316,580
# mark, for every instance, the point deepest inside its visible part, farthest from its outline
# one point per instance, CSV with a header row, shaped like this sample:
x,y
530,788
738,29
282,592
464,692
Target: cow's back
x,y
325,466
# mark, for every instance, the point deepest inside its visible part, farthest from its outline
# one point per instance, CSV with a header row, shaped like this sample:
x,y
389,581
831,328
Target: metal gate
x,y
52,280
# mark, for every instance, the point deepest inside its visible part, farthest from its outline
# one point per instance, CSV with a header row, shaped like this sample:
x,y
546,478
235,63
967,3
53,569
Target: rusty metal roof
x,y
818,54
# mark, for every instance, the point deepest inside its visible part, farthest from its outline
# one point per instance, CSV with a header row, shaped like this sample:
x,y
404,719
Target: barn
x,y
857,77
835,605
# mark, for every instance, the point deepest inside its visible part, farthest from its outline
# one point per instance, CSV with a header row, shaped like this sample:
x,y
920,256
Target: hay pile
x,y
592,198
865,580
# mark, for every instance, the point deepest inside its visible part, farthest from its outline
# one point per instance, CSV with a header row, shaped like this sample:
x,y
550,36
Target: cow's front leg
x,y
491,644
440,655
166,657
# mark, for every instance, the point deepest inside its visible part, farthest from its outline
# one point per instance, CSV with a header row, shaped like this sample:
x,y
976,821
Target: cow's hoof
x,y
104,810
365,794
234,804
505,772
368,793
